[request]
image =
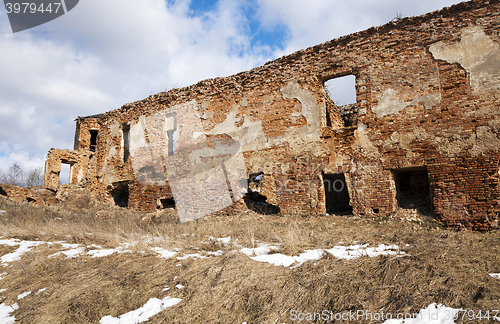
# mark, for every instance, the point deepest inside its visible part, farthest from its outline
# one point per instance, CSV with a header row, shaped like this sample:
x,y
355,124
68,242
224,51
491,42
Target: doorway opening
x,y
120,194
337,200
166,203
412,189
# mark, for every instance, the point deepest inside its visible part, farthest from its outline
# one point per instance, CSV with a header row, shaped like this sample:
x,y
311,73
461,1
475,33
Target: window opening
x,y
337,200
342,91
412,189
65,174
93,140
126,142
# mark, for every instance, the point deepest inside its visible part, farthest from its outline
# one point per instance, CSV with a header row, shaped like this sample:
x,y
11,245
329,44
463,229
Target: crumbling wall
x,y
20,194
78,161
36,195
427,96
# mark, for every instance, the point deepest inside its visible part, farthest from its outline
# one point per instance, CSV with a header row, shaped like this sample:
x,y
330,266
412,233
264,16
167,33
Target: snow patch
x,y
143,314
163,253
278,259
340,252
40,291
24,246
355,251
194,256
5,311
433,314
71,253
262,249
495,275
222,240
101,253
106,252
24,294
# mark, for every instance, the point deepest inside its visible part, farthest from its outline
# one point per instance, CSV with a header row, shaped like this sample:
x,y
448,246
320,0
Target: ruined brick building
x,y
423,132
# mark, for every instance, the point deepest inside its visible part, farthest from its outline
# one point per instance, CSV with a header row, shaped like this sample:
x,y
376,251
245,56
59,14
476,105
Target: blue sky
x,y
105,53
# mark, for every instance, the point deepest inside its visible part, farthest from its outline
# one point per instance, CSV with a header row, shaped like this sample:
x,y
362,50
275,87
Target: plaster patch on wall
x,y
108,169
112,152
137,138
202,112
389,104
310,110
251,136
217,154
482,141
302,138
80,175
478,54
403,141
364,142
114,129
336,161
147,170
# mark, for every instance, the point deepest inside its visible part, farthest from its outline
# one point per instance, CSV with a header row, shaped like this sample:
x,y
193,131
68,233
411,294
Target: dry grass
x,y
445,267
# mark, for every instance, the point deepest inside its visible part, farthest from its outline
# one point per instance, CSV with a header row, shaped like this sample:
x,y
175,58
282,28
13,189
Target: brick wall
x,y
427,93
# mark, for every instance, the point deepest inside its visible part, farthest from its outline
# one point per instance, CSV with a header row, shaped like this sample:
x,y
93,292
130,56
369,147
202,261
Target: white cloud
x,y
314,22
101,55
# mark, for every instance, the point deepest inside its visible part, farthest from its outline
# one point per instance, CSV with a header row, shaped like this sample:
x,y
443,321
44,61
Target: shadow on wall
x,y
257,203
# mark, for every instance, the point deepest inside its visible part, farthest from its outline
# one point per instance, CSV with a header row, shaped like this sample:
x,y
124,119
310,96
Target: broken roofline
x,y
80,118
297,56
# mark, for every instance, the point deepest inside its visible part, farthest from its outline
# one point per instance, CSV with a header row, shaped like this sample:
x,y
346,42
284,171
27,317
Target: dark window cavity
x,y
166,203
337,198
126,142
93,140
